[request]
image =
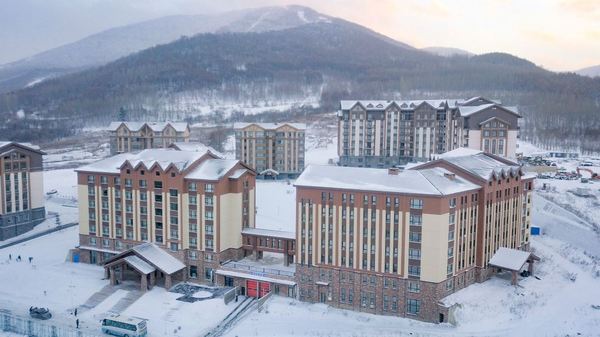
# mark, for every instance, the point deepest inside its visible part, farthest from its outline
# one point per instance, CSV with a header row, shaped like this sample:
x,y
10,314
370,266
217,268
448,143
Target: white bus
x,y
123,326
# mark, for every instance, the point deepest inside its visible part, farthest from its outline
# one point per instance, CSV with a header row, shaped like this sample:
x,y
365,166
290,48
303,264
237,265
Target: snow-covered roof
x,y
435,181
161,157
29,146
269,232
196,147
270,126
510,259
154,126
212,169
476,98
232,273
466,111
479,163
238,173
408,105
158,257
139,264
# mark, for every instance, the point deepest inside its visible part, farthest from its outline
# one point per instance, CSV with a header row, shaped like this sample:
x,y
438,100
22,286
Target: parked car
x,y
40,313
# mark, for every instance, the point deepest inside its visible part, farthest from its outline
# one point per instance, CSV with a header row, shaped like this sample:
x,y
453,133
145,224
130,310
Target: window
x,y
413,306
415,220
193,255
193,271
452,202
414,270
450,251
174,206
173,192
158,184
450,268
414,253
416,203
414,237
91,179
127,182
414,286
208,201
143,183
209,188
92,241
103,179
158,198
193,200
452,218
173,246
208,215
192,187
208,273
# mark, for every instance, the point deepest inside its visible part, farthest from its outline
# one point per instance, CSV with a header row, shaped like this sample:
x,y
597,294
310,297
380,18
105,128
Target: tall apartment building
x,y
192,204
389,133
21,188
136,136
395,242
272,149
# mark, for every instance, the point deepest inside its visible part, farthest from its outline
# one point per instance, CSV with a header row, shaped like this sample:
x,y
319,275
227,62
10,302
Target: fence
x,y
263,300
258,270
231,294
36,328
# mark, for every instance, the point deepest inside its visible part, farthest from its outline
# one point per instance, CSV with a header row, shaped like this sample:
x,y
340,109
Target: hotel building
x,y
388,133
136,136
395,242
21,188
194,205
272,149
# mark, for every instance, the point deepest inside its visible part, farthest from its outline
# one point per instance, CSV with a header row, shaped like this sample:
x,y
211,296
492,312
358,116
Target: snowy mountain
x,y
109,45
593,71
447,51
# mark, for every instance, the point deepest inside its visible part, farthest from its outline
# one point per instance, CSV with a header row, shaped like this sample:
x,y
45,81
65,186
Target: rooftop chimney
x,y
450,176
395,170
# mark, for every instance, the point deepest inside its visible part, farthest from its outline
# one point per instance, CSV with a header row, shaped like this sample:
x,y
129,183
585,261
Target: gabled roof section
x,y
270,126
148,256
154,126
475,99
212,169
379,105
162,158
466,111
5,145
482,165
196,147
494,118
511,259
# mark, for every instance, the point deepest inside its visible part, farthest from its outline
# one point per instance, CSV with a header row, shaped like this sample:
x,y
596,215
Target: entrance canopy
x,y
511,259
146,258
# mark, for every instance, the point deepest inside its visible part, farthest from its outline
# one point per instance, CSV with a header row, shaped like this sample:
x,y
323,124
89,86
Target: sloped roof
x,y
510,259
428,181
466,111
139,264
27,146
270,126
154,126
161,157
406,104
196,147
212,169
158,257
481,164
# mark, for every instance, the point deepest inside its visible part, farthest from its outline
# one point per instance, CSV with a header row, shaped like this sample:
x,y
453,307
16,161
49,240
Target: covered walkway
x,y
147,261
513,260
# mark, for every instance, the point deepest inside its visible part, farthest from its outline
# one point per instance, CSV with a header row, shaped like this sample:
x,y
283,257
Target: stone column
x,y
122,266
152,280
144,282
514,278
254,249
106,273
113,279
286,257
168,281
530,267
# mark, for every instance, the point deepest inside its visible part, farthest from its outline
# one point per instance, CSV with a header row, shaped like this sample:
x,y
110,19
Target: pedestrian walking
x,y
10,257
75,312
77,323
44,292
30,258
19,258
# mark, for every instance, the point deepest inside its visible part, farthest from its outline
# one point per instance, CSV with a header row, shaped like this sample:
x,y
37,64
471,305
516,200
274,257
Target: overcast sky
x,y
556,34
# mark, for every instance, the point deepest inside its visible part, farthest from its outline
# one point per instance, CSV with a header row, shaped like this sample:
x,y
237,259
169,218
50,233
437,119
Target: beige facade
x,y
136,136
21,188
388,133
192,204
382,241
271,149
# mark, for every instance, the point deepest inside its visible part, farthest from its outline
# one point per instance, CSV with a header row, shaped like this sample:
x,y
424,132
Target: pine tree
x,y
122,114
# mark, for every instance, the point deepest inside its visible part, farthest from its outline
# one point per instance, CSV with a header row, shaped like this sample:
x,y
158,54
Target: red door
x,y
251,288
265,287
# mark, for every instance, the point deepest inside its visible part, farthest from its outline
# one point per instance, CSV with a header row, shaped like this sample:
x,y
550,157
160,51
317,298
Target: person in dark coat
x,y
77,323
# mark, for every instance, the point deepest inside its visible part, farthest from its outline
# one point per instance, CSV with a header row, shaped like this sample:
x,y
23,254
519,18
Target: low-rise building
x,y
395,242
21,188
194,205
374,133
137,136
272,149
